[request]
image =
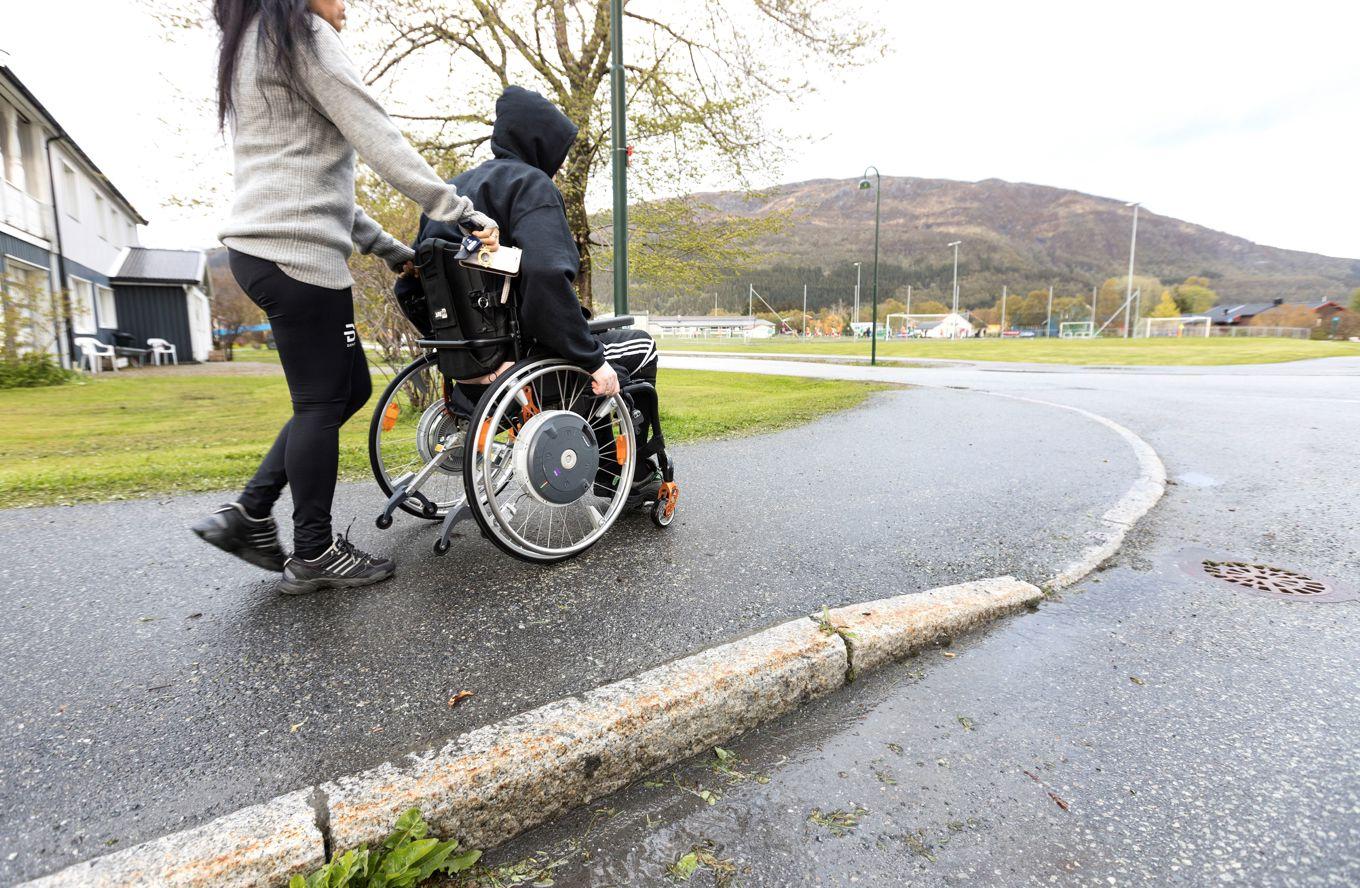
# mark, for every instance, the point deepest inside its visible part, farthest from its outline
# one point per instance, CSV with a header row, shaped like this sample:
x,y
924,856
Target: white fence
x,y
1250,330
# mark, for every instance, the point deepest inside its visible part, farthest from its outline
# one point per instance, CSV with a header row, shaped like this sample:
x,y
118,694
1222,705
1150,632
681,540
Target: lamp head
x,y
954,244
865,184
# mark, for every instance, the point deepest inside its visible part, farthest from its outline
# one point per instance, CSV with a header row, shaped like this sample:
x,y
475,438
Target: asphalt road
x,y
1150,727
150,683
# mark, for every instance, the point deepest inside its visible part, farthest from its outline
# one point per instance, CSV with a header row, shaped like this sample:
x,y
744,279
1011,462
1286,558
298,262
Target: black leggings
x,y
328,380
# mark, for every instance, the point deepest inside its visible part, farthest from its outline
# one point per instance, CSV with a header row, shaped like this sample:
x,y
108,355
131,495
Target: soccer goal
x,y
1076,330
1175,328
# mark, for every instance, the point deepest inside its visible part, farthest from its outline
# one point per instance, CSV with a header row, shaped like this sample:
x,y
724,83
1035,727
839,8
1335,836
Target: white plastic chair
x,y
92,352
162,347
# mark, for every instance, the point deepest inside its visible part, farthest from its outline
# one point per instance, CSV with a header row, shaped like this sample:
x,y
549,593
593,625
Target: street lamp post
x,y
1133,244
955,245
877,185
618,107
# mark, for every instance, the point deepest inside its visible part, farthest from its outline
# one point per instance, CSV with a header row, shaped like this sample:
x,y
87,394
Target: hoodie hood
x,y
530,128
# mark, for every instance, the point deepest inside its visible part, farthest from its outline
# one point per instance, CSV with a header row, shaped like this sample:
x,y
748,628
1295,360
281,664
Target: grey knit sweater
x,y
294,145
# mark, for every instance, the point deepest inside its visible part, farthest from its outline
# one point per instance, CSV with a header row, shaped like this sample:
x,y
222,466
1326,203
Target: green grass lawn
x,y
143,435
1124,352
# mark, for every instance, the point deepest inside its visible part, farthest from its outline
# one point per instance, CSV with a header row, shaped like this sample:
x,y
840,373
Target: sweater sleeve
x,y
550,313
370,237
338,92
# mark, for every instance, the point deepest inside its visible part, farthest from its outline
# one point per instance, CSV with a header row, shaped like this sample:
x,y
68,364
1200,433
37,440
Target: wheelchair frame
x,y
640,426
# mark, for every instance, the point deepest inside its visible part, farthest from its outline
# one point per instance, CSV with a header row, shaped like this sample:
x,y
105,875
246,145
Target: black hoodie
x,y
529,142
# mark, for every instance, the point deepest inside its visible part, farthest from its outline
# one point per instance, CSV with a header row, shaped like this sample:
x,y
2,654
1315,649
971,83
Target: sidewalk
x,y
155,683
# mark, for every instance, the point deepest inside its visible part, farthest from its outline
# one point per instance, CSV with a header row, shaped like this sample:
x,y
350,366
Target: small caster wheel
x,y
441,547
384,522
430,509
663,510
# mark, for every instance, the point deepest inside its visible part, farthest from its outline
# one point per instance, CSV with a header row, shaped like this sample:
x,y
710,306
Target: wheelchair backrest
x,y
465,307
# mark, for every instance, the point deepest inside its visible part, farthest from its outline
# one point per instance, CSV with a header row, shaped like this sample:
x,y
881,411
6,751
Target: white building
x,y
65,227
710,327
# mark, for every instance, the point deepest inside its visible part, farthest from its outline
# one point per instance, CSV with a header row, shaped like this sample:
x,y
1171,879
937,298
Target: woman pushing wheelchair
x,y
298,114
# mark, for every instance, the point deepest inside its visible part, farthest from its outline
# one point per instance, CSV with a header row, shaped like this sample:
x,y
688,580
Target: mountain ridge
x,y
1017,234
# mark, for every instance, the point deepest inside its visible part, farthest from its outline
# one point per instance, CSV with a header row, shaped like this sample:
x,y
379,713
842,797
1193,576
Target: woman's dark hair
x,y
285,25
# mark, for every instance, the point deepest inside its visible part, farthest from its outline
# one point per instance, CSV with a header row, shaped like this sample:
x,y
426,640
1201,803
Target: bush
x,y
32,370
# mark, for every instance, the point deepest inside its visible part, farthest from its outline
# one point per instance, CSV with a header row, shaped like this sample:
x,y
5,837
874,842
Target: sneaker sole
x,y
322,584
215,536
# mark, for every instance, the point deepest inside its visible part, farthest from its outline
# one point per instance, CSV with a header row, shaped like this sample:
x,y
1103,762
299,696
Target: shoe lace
x,y
343,544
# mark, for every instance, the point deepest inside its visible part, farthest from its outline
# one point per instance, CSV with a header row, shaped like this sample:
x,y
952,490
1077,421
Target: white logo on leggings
x,y
350,335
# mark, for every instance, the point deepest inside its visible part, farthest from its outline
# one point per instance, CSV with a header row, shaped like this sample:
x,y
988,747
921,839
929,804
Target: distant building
x,y
64,225
1237,314
950,326
710,327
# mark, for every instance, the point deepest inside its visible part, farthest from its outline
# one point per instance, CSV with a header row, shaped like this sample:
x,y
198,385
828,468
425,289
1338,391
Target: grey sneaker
x,y
342,566
255,540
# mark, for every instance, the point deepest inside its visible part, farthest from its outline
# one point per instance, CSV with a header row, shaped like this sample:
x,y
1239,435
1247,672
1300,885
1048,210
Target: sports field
x,y
1117,352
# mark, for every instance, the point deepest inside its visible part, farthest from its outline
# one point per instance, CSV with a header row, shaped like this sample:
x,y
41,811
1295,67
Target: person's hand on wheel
x,y
604,382
490,238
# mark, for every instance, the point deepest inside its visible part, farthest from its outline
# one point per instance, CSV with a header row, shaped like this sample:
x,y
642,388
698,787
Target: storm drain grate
x,y
1269,580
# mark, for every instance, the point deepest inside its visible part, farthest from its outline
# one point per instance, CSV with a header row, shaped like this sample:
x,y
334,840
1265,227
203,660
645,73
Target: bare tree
x,y
701,77
231,309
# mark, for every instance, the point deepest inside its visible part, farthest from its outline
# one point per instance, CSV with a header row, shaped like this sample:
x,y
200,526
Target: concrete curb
x,y
490,784
262,845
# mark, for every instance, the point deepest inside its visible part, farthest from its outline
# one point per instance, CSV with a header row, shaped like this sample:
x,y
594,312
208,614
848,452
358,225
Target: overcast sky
x,y
1242,120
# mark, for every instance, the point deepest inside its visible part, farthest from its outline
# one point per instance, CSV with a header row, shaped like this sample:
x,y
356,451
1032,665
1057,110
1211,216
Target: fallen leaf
x,y
459,698
950,654
1055,797
1135,679
293,729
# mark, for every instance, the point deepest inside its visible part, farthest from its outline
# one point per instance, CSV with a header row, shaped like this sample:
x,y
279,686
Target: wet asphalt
x,y
150,683
1148,727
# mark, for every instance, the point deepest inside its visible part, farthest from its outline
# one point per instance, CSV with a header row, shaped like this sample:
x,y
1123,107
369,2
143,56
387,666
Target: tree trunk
x,y
579,220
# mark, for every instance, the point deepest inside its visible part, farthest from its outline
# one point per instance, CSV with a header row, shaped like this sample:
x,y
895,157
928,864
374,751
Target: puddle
x,y
1197,479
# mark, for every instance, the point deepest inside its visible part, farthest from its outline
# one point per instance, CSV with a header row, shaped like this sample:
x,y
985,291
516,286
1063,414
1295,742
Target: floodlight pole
x,y
855,318
803,325
878,205
1048,324
1133,243
955,245
617,105
1003,309
908,299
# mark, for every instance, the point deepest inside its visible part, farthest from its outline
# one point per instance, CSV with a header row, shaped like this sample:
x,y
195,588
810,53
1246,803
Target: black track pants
x,y
328,380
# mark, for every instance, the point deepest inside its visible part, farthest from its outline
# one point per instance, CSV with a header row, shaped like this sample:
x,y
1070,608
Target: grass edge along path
x,y
142,435
1169,352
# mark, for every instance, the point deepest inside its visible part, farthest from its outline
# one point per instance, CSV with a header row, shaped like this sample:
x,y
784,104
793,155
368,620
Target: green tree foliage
x,y
1194,296
1166,308
1355,301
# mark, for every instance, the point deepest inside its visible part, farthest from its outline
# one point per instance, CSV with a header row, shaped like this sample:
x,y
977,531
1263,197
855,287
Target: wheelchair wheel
x,y
549,464
409,426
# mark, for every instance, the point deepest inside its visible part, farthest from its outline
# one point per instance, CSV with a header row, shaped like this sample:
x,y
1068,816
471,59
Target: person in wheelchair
x,y
529,143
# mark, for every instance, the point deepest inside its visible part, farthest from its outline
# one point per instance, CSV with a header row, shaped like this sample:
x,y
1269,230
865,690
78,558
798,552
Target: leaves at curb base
x,y
407,858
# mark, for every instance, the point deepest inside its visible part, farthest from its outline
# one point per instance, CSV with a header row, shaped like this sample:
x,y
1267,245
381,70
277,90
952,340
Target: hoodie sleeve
x,y
550,313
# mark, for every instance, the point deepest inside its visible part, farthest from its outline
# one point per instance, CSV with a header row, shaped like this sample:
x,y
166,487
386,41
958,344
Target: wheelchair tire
x,y
381,474
539,466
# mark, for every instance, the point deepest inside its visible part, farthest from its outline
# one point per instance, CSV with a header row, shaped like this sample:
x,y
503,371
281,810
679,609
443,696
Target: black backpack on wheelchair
x,y
547,466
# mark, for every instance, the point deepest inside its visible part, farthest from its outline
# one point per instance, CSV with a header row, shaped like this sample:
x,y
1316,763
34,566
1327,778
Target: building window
x,y
30,312
70,194
101,216
108,308
115,224
82,308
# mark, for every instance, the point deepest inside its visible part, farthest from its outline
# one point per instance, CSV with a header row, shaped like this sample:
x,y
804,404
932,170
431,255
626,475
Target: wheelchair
x,y
542,465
